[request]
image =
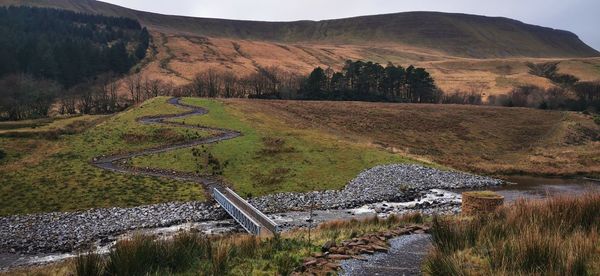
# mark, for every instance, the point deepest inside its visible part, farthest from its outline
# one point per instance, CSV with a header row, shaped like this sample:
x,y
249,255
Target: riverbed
x,y
430,201
408,252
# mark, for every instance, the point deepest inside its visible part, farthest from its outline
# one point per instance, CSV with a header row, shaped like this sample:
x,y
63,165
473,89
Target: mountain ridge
x,y
458,34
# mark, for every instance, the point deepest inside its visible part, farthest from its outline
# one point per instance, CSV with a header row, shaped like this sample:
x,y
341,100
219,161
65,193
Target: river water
x,y
523,187
542,187
407,253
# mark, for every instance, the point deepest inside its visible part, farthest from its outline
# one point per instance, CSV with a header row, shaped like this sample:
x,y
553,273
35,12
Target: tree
x,y
315,84
24,97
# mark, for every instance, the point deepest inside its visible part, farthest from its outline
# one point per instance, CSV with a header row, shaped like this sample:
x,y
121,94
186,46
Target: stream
x,y
432,201
408,252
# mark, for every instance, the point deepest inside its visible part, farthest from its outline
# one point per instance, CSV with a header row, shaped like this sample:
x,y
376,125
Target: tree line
x,y
64,52
569,93
358,80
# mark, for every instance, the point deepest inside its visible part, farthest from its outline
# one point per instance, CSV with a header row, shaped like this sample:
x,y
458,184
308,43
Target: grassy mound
x,y
47,168
273,156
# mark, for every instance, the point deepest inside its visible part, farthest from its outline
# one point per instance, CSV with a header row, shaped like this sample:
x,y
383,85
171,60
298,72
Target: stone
x,y
327,246
338,257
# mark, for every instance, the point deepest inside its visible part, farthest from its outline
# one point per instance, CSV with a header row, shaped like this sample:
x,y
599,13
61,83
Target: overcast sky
x,y
579,16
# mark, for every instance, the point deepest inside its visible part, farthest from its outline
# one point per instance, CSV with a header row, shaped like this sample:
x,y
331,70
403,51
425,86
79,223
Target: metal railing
x,y
240,216
257,215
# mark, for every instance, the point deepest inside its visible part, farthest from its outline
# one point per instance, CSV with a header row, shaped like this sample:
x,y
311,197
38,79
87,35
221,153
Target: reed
x,y
557,236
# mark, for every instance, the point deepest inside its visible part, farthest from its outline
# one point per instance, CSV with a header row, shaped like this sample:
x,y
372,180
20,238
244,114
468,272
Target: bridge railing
x,y
239,215
258,215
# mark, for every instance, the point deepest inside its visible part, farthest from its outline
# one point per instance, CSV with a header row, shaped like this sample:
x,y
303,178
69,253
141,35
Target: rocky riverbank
x,y
66,232
392,183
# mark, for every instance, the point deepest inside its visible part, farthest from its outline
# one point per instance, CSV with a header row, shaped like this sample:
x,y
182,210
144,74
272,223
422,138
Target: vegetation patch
x,y
42,175
558,236
272,146
483,194
272,156
190,253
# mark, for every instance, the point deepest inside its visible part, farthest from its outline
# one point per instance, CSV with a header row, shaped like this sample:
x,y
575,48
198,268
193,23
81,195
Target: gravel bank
x,y
66,232
392,183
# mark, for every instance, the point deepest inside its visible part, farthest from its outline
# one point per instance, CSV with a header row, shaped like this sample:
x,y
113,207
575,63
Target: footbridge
x,y
253,220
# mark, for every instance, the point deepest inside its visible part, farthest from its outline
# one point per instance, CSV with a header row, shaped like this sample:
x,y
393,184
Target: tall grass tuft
x,y
138,256
557,236
90,264
220,255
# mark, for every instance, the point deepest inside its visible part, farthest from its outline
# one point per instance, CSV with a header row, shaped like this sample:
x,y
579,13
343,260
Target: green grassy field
x,y
46,167
272,156
42,172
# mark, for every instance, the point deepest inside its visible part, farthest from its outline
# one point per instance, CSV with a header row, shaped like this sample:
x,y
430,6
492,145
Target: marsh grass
x,y
557,236
193,253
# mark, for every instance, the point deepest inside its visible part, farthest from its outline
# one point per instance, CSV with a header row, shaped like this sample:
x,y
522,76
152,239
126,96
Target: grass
x,y
557,236
190,253
43,174
272,156
481,139
483,194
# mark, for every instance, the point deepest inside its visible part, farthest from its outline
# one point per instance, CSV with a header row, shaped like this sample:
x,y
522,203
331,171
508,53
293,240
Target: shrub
x,y
2,154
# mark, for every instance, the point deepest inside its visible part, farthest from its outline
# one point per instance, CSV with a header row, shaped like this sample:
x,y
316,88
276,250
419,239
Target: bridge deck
x,y
252,219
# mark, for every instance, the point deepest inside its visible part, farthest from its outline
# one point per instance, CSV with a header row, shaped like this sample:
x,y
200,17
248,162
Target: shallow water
x,y
407,253
524,187
404,258
541,187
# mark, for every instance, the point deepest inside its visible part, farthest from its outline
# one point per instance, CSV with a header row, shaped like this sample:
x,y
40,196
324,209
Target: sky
x,y
579,16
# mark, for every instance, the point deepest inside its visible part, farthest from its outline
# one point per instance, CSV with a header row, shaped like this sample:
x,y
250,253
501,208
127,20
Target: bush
x,y
2,154
596,120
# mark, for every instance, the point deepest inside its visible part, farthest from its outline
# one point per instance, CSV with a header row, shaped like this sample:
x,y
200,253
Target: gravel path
x,y
118,163
404,258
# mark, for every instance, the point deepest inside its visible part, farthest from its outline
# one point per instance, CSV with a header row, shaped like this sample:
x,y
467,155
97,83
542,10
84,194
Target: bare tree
x,y
134,87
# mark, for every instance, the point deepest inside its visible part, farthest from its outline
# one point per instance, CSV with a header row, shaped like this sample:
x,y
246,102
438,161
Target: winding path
x,y
119,162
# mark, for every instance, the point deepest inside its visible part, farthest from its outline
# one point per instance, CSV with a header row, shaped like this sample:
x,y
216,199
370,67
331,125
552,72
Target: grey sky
x,y
579,16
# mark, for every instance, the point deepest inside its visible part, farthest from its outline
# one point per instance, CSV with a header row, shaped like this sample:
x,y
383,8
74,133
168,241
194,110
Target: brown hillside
x,y
463,52
482,139
455,34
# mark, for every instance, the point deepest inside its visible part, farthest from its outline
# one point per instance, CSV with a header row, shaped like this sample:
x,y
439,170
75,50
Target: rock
x,y
379,248
327,246
309,263
338,257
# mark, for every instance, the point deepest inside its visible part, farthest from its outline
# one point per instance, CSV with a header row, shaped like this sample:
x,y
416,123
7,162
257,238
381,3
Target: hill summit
x,y
458,35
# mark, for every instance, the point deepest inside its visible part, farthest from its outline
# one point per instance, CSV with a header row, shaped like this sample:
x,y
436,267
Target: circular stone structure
x,y
480,202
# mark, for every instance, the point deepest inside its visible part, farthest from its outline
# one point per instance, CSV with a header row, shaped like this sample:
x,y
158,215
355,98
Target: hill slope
x,y
454,34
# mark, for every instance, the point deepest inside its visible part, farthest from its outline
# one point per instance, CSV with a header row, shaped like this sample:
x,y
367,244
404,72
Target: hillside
x,y
462,52
455,34
287,146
